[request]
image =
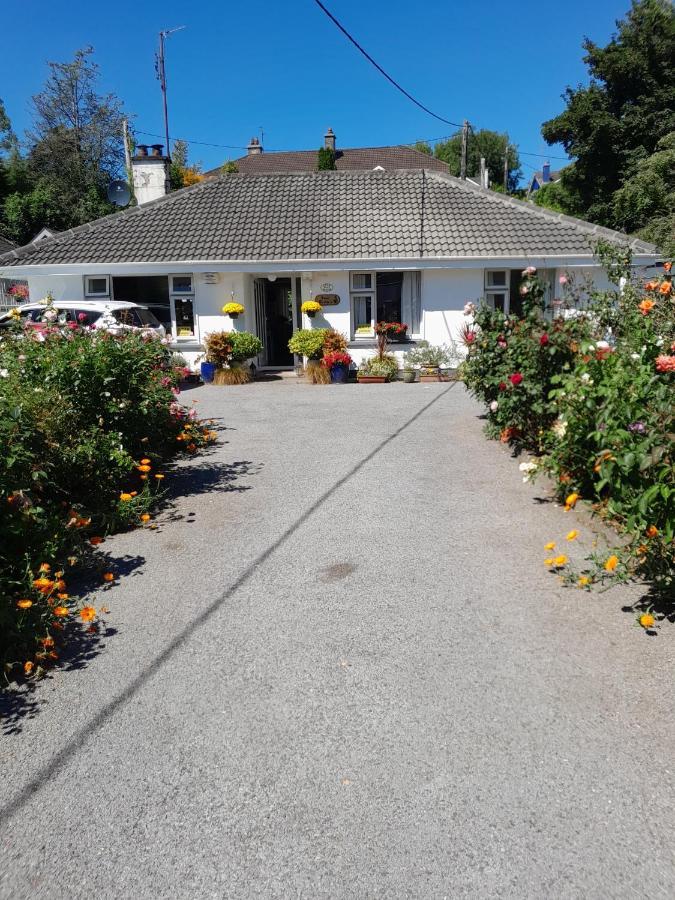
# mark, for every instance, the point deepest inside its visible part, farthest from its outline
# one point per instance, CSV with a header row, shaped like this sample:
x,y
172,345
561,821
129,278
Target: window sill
x,y
371,343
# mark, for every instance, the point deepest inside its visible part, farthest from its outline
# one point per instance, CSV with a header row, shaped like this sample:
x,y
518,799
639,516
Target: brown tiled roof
x,y
360,158
324,216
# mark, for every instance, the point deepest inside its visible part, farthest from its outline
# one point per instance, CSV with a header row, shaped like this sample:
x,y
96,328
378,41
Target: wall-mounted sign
x,y
327,299
210,277
327,287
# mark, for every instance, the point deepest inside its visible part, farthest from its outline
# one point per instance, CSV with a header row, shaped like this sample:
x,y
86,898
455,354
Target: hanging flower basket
x,y
233,310
310,308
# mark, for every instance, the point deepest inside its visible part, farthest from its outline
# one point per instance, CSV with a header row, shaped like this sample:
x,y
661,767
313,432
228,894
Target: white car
x,y
95,313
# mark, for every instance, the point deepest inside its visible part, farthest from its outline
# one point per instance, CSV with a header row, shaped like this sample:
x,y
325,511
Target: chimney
x,y
546,172
329,140
150,173
254,148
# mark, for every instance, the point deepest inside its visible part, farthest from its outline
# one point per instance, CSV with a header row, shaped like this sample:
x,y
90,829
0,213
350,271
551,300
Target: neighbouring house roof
x,y
323,216
358,158
6,244
538,177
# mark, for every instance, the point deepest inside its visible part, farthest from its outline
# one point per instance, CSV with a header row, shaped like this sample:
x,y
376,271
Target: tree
x,y
6,134
555,196
615,122
180,173
229,167
325,159
422,147
491,145
646,202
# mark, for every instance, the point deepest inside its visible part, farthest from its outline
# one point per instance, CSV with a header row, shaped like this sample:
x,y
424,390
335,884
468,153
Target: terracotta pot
x,y
372,379
437,377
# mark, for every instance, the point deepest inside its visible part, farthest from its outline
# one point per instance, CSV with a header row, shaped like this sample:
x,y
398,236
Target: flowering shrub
x,y
396,330
84,418
593,398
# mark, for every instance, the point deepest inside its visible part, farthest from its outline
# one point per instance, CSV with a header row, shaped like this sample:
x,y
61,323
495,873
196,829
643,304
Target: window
x,y
385,297
96,285
497,289
182,307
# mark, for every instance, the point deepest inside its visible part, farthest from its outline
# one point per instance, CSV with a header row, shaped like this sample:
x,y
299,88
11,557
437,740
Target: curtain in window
x,y
411,301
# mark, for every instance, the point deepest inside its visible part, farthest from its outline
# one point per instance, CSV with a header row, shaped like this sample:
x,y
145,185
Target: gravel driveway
x,y
340,669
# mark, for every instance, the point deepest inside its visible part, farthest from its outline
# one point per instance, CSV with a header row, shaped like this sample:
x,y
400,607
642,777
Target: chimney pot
x,y
329,140
157,149
254,147
546,172
142,149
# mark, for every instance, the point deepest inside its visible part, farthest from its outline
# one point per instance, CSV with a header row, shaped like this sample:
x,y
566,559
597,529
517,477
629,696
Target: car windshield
x,y
148,318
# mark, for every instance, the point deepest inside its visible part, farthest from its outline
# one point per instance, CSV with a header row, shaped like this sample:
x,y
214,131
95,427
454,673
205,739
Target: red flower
x,y
543,340
502,385
515,379
336,358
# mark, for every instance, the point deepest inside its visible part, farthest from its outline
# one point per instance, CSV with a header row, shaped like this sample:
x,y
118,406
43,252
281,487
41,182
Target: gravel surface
x,y
339,669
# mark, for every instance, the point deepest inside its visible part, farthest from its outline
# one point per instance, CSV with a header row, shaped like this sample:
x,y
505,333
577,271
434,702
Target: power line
x,y
380,69
201,143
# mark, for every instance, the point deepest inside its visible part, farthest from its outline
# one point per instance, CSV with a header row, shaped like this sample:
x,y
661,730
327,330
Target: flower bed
x,y
592,397
86,417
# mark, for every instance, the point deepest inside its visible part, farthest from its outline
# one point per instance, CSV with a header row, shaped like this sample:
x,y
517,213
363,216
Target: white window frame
x,y
355,293
491,289
183,295
97,295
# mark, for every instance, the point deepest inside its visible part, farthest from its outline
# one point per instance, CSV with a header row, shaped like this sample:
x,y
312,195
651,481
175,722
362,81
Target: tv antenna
x,y
161,75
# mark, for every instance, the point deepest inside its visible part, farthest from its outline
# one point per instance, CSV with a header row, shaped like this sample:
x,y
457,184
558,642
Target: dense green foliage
x,y
325,159
592,397
79,411
308,342
491,145
613,125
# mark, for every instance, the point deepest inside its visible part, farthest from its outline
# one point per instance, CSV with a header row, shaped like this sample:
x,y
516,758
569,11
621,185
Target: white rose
x,y
494,406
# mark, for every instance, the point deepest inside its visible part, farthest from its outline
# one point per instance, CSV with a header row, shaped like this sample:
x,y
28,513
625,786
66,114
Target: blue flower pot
x,y
208,370
339,374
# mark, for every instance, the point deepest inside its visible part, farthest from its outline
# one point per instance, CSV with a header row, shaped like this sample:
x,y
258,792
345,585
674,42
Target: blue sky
x,y
284,67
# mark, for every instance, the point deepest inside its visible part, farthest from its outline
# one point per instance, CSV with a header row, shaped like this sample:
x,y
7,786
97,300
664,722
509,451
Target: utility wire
x,y
201,143
380,69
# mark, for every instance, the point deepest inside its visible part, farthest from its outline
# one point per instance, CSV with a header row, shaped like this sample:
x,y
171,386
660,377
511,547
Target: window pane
x,y
185,320
411,311
389,286
97,285
362,281
496,279
496,300
363,313
182,284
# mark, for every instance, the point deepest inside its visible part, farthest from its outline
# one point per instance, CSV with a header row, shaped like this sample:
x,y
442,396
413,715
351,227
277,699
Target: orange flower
x,y
108,576
159,476
652,531
47,642
62,596
95,541
665,288
571,501
145,462
87,613
611,563
45,567
125,497
134,493
143,468
646,620
143,477
646,306
146,517
60,585
44,585
61,611
191,448
28,667
651,285
24,604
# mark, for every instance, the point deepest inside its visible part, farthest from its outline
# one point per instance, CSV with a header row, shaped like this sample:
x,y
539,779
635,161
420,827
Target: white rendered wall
x,y
61,287
150,179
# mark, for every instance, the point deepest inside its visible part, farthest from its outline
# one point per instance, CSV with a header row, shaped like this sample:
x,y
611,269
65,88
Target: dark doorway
x,y
147,290
278,322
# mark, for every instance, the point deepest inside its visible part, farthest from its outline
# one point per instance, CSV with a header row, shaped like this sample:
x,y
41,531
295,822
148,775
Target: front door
x,y
274,320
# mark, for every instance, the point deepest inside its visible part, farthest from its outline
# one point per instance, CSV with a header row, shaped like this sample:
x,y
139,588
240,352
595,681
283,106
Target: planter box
x,y
372,379
436,378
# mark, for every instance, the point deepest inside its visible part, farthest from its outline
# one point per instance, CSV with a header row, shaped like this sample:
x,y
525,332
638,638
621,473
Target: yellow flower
x,y
144,467
550,545
87,613
159,476
61,611
646,620
611,563
145,462
571,500
560,560
584,581
145,517
24,604
233,309
548,562
572,535
125,497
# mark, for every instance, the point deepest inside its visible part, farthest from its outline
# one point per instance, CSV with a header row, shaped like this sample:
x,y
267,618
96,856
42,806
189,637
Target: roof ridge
x,y
544,213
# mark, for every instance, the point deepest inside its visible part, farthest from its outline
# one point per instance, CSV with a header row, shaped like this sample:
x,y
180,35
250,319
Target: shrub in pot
x,y
309,342
429,359
217,347
378,369
244,347
337,362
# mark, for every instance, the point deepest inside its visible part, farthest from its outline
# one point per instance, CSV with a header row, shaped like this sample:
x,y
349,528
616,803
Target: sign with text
x,y
327,299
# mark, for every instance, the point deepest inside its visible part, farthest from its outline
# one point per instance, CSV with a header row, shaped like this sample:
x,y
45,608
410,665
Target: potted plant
x,y
393,331
409,374
337,362
233,310
310,308
243,346
217,346
308,342
429,359
376,370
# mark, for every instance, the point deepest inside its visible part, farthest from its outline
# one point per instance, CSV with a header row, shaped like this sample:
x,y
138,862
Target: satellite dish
x,y
119,193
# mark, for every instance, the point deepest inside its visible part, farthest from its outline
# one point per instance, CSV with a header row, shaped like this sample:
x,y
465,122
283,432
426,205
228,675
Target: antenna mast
x,y
161,75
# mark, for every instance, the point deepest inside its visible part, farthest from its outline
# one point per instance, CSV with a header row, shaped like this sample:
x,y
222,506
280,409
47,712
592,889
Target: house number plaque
x,y
328,299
